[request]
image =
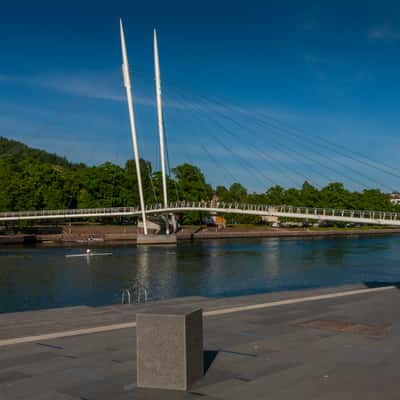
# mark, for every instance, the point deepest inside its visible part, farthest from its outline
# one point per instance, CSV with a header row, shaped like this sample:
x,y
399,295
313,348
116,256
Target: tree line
x,y
33,179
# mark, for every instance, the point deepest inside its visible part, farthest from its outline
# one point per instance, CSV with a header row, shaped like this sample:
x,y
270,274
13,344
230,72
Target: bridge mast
x,y
160,119
160,124
127,83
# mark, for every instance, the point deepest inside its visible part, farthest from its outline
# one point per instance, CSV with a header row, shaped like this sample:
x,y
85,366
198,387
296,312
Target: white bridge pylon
x,y
165,209
127,84
303,213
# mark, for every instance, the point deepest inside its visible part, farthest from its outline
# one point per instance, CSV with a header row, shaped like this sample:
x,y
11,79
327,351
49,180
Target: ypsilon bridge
x,y
166,211
320,214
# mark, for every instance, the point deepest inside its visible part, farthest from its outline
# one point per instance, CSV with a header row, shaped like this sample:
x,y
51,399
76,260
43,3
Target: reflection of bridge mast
x,y
143,266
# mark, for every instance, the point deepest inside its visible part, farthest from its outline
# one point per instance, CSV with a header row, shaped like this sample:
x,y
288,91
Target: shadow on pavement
x,y
376,284
209,357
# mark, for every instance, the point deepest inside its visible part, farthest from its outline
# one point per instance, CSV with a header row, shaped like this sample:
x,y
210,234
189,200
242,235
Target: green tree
x,y
191,183
237,192
275,195
32,179
222,193
192,186
309,196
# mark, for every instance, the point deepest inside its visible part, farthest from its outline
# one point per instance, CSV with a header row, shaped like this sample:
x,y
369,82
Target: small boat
x,y
88,254
95,239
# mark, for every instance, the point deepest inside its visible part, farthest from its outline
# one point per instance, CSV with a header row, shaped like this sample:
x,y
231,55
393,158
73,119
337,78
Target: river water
x,y
40,277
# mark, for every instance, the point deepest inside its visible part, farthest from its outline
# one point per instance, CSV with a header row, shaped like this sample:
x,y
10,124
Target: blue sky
x,y
230,72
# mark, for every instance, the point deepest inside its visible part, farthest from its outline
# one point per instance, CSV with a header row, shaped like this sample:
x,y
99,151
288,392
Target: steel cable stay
x,y
245,144
198,173
309,159
357,172
212,108
313,144
113,180
298,132
253,150
251,170
169,171
219,107
149,173
270,159
178,186
227,173
314,161
189,160
254,172
147,76
362,158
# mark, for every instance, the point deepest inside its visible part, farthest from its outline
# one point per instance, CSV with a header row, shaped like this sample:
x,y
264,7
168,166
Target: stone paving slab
x,y
31,323
257,354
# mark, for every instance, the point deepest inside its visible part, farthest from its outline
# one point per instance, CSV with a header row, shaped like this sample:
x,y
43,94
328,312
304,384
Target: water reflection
x,y
271,257
32,278
143,265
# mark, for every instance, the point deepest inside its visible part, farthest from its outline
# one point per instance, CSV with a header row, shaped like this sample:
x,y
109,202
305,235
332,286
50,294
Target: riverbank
x,y
113,235
229,233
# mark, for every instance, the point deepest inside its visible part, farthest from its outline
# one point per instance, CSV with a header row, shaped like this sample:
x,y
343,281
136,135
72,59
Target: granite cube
x,y
169,345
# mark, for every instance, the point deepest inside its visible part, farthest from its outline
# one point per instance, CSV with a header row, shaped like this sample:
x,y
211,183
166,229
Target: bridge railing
x,y
259,209
322,212
66,212
328,212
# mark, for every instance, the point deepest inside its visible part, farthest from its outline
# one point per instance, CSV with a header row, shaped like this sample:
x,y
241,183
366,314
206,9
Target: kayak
x,y
88,255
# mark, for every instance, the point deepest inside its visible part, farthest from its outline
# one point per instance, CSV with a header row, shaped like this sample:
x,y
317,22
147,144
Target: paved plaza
x,y
337,343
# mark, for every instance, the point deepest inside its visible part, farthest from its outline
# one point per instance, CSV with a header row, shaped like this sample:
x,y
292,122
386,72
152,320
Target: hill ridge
x,y
14,148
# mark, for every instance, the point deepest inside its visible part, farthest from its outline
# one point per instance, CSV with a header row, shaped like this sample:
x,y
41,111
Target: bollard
x,y
169,347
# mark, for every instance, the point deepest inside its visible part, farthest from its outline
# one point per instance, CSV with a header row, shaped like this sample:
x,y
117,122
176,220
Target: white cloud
x,y
384,32
104,88
82,85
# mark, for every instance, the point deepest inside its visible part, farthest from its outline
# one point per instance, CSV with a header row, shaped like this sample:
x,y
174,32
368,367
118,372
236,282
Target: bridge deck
x,y
305,213
344,347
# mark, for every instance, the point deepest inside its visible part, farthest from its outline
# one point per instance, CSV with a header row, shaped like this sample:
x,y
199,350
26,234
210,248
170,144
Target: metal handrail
x,y
321,213
128,294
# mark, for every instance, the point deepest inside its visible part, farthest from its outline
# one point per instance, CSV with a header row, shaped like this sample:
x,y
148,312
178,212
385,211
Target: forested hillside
x,y
34,179
10,147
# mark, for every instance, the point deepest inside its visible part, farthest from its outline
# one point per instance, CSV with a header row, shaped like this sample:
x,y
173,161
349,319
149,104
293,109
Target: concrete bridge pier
x,y
161,230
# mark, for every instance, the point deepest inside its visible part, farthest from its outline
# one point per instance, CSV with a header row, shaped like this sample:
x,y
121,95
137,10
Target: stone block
x,y
169,345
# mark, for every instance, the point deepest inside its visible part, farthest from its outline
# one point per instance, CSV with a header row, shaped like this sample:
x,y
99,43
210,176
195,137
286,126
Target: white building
x,y
395,198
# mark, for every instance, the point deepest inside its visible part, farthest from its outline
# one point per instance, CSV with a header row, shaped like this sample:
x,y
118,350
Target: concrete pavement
x,y
322,344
